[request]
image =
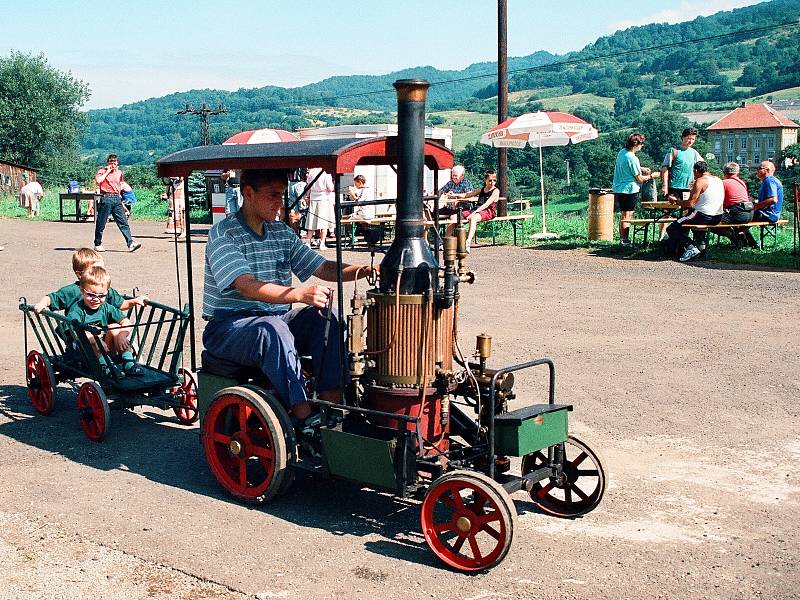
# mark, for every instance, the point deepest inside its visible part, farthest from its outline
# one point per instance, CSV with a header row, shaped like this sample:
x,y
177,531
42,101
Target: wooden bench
x,y
642,226
515,220
766,229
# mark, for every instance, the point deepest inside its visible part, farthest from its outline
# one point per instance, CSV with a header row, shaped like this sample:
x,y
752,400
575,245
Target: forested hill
x,y
654,61
619,66
141,130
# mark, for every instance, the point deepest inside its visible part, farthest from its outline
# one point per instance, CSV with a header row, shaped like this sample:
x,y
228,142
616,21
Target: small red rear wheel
x,y
245,443
187,412
580,486
41,382
93,410
468,520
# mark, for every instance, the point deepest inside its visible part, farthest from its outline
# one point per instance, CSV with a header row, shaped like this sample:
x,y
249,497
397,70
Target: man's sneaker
x,y
689,253
99,248
133,247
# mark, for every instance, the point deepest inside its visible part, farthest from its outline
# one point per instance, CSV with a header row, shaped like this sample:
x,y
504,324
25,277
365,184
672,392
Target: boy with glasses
x,y
93,309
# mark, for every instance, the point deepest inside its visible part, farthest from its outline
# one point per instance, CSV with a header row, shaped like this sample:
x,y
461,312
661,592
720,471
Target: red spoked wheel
x,y
93,410
580,486
187,412
245,443
41,382
468,520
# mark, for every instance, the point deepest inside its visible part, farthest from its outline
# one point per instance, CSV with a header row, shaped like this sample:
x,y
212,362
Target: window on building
x,y
756,158
730,145
717,145
771,143
743,145
757,144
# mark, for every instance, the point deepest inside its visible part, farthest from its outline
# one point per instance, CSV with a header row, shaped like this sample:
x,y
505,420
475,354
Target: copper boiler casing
x,y
418,343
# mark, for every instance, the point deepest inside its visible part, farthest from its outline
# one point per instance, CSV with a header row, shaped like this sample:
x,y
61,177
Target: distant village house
x,y
14,176
751,133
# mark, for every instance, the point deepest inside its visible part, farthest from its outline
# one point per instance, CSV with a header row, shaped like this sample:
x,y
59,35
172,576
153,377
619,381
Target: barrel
x,y
601,215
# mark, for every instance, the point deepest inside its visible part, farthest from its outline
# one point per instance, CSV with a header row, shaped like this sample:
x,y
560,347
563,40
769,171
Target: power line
x,y
750,32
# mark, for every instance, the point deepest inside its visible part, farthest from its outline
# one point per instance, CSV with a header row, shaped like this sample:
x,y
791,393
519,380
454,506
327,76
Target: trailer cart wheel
x,y
245,443
468,520
578,489
187,412
41,382
93,410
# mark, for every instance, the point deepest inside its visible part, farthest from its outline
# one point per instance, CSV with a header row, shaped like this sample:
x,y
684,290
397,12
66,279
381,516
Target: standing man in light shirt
x,y
109,179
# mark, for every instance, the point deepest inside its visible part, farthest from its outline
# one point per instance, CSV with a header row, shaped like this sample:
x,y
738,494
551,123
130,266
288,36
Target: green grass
x,y
148,207
573,233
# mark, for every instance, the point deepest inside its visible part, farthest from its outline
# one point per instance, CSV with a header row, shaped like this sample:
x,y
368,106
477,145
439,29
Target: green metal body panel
x,y
532,428
360,458
207,386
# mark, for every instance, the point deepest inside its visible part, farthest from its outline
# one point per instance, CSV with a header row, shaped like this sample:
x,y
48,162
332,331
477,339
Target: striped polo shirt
x,y
234,249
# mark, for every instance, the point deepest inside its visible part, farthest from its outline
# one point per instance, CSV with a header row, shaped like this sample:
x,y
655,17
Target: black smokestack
x,y
410,252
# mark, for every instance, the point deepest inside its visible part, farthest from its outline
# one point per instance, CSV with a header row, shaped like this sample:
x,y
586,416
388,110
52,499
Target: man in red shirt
x,y
109,179
737,206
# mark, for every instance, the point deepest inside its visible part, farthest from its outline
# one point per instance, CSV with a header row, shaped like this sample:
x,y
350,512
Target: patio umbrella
x,y
539,129
261,136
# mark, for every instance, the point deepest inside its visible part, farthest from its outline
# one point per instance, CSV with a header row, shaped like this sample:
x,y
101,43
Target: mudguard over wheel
x,y
245,443
468,520
93,411
581,485
41,382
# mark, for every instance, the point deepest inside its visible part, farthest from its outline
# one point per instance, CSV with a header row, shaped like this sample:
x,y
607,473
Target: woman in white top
x,y
320,216
705,204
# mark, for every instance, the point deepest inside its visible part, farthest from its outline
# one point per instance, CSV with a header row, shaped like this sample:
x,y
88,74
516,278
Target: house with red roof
x,y
751,133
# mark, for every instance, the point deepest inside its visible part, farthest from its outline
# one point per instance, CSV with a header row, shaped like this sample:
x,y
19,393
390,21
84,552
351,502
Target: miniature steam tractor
x,y
418,416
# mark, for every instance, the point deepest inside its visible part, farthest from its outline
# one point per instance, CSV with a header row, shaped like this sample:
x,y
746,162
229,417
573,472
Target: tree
x,y
40,122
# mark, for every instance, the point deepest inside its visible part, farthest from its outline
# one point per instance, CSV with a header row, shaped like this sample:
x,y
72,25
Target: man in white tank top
x,y
705,204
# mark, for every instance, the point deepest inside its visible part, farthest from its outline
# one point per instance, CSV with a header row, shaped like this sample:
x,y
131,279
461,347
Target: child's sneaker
x,y
133,247
99,248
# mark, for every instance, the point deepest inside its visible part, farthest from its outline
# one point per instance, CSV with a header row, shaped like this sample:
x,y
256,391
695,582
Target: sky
x,y
129,51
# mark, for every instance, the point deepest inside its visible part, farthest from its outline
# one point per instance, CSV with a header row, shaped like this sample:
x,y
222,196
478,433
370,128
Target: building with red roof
x,y
751,133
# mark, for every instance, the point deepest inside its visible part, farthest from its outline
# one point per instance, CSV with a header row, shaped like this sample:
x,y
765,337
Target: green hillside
x,y
657,65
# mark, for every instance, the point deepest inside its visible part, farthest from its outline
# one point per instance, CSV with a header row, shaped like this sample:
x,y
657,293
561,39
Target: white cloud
x,y
686,11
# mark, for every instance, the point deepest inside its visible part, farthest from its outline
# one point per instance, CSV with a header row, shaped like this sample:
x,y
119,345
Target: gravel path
x,y
684,377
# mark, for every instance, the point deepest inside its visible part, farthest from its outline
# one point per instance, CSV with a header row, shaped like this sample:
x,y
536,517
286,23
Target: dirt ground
x,y
684,377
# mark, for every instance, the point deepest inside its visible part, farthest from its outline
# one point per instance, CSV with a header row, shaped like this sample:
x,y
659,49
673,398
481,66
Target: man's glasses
x,y
94,296
762,169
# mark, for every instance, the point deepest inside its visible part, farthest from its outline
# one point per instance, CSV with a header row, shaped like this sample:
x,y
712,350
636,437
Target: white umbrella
x,y
539,129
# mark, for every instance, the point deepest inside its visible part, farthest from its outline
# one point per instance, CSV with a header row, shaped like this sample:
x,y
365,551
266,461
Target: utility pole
x,y
502,100
204,111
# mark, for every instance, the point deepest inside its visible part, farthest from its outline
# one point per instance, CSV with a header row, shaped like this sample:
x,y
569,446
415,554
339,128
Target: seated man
x,y
770,198
453,191
705,202
250,260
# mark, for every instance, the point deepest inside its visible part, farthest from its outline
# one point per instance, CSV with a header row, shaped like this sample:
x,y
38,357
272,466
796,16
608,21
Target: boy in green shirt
x,y
65,297
93,309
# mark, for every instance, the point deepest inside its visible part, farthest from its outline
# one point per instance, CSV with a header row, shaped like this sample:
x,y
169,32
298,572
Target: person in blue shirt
x,y
627,177
770,199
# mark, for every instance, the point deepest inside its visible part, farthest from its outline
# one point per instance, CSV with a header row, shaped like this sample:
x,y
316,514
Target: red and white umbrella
x,y
262,136
539,129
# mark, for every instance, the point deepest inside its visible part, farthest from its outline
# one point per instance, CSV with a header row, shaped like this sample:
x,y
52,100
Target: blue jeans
x,y
111,204
274,344
231,199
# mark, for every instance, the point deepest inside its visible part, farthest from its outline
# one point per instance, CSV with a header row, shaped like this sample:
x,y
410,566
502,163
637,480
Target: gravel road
x,y
684,377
